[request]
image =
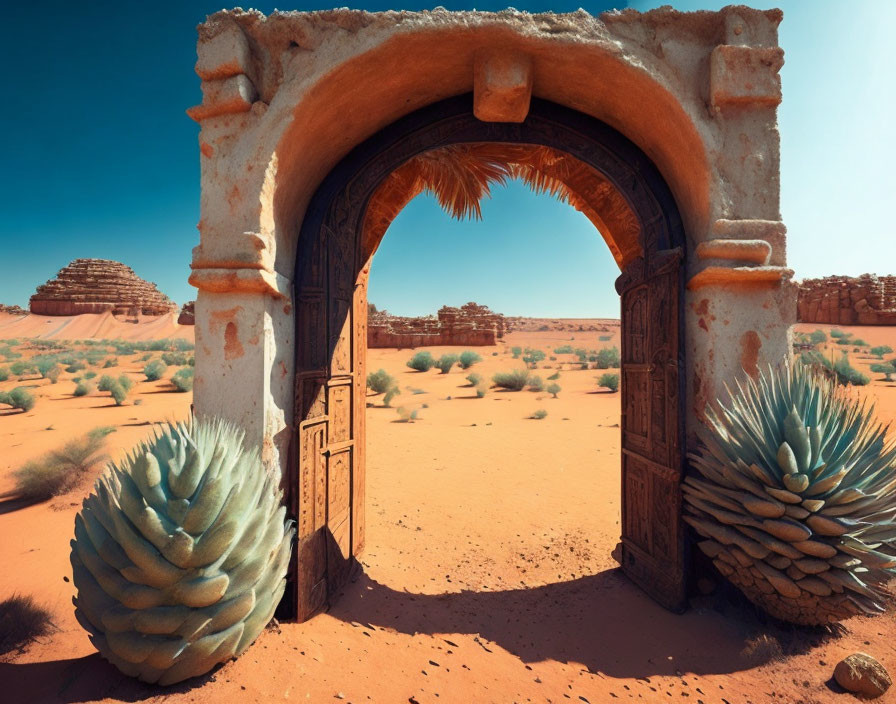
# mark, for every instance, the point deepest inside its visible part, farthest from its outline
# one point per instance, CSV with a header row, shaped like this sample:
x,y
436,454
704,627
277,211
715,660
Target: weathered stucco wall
x,y
285,97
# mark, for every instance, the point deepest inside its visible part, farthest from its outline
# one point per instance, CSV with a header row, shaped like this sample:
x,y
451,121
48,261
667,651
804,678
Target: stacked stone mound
x,y
12,310
99,286
471,325
187,314
843,300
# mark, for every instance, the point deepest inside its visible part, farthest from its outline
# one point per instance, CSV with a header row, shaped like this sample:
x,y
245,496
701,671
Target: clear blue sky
x,y
99,160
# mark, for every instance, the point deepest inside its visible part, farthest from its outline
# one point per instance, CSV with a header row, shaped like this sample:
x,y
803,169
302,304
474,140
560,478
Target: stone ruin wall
x,y
844,300
99,286
470,325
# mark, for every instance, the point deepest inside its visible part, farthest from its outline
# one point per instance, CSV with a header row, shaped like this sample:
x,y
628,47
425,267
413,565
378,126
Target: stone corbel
x,y
225,66
241,272
502,86
741,258
745,76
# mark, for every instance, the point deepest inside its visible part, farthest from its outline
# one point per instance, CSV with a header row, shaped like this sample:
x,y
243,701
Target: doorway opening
x,y
620,190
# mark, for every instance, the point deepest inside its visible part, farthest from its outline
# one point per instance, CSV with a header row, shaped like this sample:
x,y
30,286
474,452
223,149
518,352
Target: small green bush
x,y
565,349
118,393
22,621
847,374
880,350
481,390
445,362
607,358
83,388
554,389
380,381
817,337
554,376
175,359
21,367
391,393
835,333
513,381
111,362
468,358
406,415
146,357
75,367
535,383
516,351
4,373
474,379
89,375
117,388
605,338
183,379
19,398
53,373
61,470
844,341
859,342
539,414
886,369
155,370
609,381
422,361
532,357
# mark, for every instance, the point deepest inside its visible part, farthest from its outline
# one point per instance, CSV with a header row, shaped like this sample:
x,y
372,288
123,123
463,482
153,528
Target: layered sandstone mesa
x,y
187,314
472,325
12,310
843,300
99,286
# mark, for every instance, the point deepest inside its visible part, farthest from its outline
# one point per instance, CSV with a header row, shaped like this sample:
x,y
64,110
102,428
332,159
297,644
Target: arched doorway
x,y
325,481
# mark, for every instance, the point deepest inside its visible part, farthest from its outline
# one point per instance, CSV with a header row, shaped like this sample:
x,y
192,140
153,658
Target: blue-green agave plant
x,y
180,555
796,496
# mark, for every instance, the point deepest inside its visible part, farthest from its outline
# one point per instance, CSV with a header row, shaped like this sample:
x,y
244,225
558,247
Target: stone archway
x,y
326,483
288,96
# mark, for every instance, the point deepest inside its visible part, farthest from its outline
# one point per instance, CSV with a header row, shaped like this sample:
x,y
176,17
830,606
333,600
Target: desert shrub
x,y
609,381
513,381
183,379
836,333
605,338
22,621
481,390
118,393
535,383
406,415
844,341
125,381
111,362
554,389
886,369
44,365
607,358
880,350
4,373
565,349
83,388
175,359
19,398
20,367
380,381
391,393
89,375
474,379
516,352
817,337
859,342
554,376
468,358
532,356
154,370
63,469
422,361
146,357
847,374
539,414
445,362
117,388
75,367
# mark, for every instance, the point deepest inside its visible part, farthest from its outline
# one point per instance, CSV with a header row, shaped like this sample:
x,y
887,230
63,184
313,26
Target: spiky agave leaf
x,y
796,496
180,555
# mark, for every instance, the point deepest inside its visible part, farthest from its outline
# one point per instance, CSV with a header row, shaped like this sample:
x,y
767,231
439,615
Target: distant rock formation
x,y
843,300
187,314
13,310
472,325
99,286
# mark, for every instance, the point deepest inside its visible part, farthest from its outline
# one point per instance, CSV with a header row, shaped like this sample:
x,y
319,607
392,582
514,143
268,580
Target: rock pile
x,y
843,300
12,310
98,286
187,314
472,325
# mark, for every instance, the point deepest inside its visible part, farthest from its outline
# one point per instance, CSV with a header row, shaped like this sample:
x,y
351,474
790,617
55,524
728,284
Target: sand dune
x,y
92,325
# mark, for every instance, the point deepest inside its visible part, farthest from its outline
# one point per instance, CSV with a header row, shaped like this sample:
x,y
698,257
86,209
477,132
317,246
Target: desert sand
x,y
487,575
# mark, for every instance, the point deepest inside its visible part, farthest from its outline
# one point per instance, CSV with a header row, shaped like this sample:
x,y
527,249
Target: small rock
x,y
862,674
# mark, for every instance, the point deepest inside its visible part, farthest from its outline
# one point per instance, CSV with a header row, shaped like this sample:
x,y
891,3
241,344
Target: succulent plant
x,y
180,555
796,497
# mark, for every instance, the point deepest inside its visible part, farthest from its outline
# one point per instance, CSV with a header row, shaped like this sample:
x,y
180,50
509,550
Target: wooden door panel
x,y
311,534
652,537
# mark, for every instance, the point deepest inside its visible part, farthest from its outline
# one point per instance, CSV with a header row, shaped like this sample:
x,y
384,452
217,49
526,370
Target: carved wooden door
x,y
328,493
652,428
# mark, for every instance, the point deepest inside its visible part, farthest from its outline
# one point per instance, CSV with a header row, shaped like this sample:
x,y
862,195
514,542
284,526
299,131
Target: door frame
x,y
330,309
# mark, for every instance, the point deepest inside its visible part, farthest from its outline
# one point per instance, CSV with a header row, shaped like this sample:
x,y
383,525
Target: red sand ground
x,y
487,576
